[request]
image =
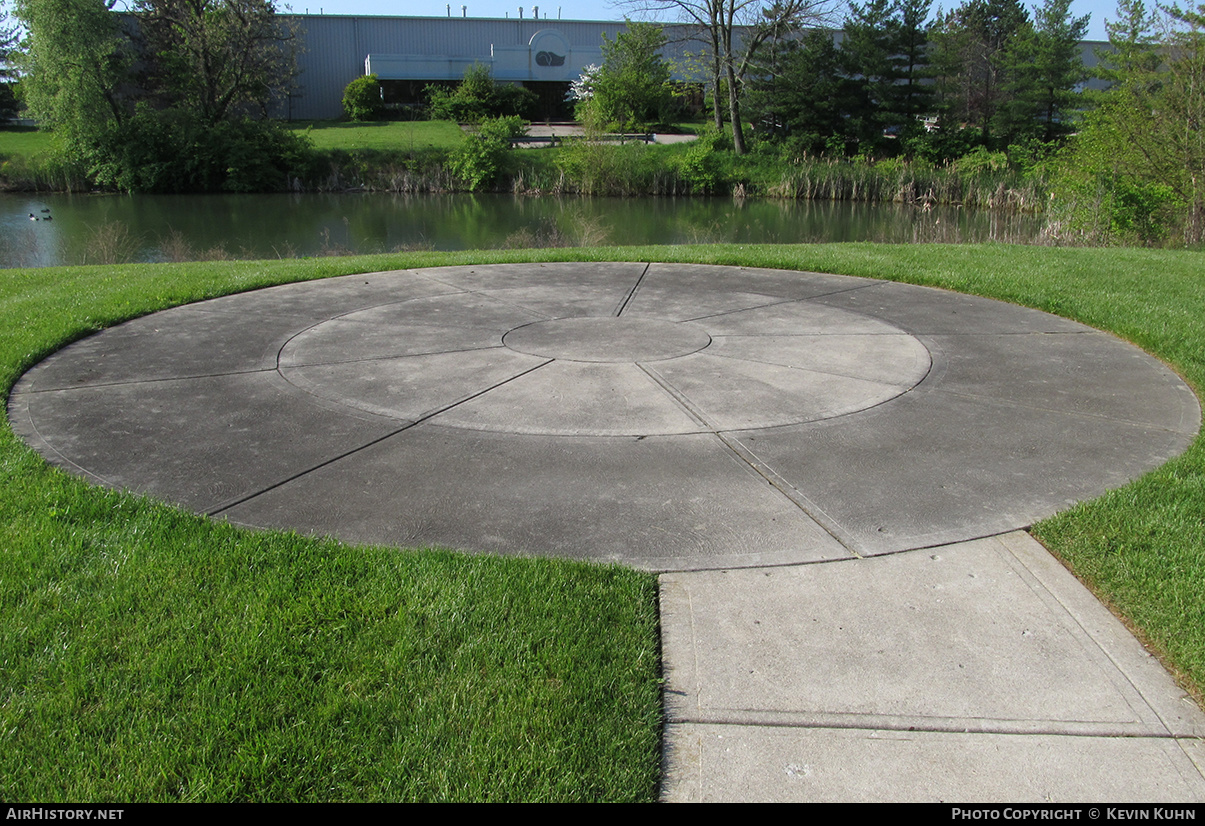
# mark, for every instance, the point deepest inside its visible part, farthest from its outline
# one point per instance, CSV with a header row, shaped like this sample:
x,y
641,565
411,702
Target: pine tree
x,y
801,96
913,94
868,48
1044,66
970,43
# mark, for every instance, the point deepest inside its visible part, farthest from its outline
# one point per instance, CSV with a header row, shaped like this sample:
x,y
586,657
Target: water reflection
x,y
108,228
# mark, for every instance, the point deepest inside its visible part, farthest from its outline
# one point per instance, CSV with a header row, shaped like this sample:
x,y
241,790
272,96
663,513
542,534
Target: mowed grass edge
x,y
149,654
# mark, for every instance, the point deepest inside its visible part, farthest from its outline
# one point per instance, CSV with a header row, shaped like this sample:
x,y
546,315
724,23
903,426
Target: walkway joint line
x,y
745,456
624,304
425,417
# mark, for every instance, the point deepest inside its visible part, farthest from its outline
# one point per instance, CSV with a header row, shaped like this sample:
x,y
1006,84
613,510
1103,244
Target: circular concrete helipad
x,y
666,416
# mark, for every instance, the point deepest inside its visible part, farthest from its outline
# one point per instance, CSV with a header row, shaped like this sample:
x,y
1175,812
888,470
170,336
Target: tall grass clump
x,y
597,167
110,243
894,180
381,170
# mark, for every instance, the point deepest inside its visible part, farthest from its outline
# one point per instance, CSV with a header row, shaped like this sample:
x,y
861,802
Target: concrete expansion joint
x,y
922,725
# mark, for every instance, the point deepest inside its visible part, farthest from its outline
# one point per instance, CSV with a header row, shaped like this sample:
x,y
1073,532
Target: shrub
x,y
479,159
700,166
981,160
173,151
943,144
479,96
362,99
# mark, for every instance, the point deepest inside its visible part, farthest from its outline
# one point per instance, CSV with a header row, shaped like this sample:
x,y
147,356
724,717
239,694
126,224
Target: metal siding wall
x,y
335,47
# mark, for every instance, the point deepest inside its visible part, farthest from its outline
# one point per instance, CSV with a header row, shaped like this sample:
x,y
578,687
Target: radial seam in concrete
x,y
425,417
624,304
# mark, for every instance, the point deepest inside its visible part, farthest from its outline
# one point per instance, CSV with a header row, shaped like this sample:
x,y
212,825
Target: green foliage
x,y
1132,49
1140,210
174,151
598,168
362,99
801,97
867,55
1101,197
218,59
701,167
9,105
969,47
632,86
913,93
1044,67
944,144
9,44
178,123
1136,169
982,67
479,159
479,96
981,160
77,68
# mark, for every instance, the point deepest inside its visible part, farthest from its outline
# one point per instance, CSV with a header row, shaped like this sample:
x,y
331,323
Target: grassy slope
x,y
403,136
22,142
406,136
150,654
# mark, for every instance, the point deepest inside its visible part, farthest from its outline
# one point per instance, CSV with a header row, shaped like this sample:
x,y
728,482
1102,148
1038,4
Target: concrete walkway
x,y
831,471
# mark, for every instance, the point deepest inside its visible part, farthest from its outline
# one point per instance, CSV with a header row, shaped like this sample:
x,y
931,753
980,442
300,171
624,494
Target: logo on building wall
x,y
549,48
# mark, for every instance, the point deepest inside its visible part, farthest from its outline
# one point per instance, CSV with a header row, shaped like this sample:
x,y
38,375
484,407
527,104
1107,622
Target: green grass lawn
x,y
406,136
150,654
22,142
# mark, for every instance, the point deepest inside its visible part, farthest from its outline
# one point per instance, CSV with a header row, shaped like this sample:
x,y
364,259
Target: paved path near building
x,y
830,471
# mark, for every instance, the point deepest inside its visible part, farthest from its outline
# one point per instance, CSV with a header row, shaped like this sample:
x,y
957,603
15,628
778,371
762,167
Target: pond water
x,y
113,228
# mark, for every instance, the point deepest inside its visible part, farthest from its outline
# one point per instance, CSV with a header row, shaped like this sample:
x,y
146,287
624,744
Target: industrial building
x,y
409,53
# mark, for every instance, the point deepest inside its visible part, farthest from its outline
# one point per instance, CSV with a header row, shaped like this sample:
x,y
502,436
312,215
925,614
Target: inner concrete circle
x,y
608,340
667,416
603,375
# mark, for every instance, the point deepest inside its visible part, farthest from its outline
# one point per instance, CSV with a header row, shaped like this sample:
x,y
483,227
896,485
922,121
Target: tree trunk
x,y
734,112
718,107
717,74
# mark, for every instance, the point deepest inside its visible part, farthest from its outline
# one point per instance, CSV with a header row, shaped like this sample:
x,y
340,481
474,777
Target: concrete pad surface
x,y
883,417
740,764
832,469
199,442
660,502
977,671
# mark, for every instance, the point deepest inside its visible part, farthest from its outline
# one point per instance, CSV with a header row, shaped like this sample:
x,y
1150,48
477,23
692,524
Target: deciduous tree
x,y
217,58
77,67
9,42
1138,167
733,32
158,100
632,85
